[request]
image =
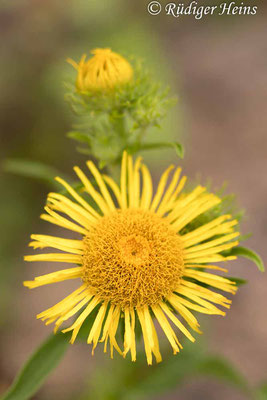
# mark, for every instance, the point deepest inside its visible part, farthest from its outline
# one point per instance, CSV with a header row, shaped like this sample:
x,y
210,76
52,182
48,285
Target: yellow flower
x,y
135,259
103,71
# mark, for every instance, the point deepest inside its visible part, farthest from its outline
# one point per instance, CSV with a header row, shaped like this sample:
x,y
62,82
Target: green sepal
x,y
250,254
238,281
79,136
178,147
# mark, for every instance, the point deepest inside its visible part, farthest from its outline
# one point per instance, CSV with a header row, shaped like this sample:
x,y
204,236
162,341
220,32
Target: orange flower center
x,y
132,258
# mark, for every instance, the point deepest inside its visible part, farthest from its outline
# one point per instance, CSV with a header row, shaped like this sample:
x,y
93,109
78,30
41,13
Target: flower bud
x,y
104,71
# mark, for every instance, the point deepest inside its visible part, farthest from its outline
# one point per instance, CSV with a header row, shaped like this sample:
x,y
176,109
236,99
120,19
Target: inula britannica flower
x,y
103,71
135,258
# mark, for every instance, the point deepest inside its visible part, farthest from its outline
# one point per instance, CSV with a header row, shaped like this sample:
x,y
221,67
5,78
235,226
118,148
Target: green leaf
x,y
81,137
238,281
222,369
183,368
178,147
250,254
261,392
31,169
37,368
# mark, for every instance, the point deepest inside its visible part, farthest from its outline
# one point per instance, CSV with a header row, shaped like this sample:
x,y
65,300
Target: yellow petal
x,y
167,329
147,191
161,187
68,245
56,219
93,193
97,325
114,187
176,321
124,180
54,277
102,185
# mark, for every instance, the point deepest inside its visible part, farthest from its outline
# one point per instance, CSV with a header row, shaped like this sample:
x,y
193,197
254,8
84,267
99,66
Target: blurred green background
x,y
217,66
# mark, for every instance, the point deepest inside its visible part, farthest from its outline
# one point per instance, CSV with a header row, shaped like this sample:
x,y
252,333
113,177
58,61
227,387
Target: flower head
x,y
103,71
136,259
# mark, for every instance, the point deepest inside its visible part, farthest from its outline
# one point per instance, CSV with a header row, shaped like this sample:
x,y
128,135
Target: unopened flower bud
x,y
104,71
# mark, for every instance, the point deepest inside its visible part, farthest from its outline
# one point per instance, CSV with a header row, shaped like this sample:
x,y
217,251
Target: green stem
x,y
118,121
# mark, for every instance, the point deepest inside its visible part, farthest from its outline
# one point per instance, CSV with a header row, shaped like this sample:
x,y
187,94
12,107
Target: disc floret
x,y
132,258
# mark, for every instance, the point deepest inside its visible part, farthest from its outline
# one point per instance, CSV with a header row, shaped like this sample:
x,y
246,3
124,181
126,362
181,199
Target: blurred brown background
x,y
218,67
